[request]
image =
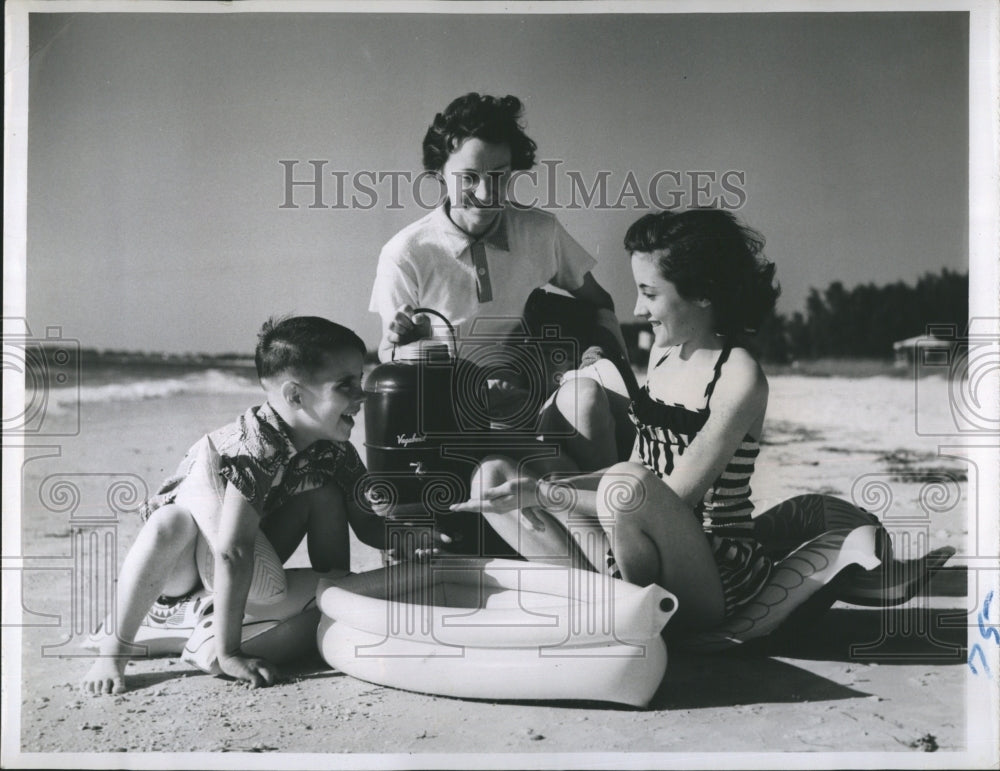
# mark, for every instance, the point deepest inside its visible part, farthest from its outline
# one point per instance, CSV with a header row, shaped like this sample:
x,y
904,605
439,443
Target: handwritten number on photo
x,y
989,632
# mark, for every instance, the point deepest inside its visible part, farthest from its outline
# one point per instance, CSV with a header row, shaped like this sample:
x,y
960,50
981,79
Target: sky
x,y
159,217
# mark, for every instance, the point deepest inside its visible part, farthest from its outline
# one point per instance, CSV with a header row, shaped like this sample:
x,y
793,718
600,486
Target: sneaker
x,y
175,613
167,625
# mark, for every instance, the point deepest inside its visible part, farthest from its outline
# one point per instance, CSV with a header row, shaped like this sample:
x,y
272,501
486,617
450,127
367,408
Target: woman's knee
x,y
624,490
627,484
631,493
581,399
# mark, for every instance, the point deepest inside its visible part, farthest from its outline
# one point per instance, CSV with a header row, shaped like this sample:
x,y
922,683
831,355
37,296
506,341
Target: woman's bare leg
x,y
533,532
579,417
657,538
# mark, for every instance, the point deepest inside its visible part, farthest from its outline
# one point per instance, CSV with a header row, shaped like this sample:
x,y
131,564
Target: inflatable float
x,y
497,629
794,580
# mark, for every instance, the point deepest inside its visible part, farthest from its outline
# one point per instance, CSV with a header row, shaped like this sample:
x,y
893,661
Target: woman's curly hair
x,y
492,119
707,254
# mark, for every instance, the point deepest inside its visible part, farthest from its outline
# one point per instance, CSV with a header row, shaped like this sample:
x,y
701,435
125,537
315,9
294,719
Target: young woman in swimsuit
x,y
678,512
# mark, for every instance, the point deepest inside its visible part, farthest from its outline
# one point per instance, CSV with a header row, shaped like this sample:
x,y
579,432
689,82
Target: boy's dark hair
x,y
708,255
298,344
492,119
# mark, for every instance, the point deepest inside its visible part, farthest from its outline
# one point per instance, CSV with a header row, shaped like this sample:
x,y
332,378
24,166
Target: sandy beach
x,y
861,687
177,172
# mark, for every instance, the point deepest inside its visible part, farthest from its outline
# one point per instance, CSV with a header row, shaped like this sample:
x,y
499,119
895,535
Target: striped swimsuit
x,y
666,431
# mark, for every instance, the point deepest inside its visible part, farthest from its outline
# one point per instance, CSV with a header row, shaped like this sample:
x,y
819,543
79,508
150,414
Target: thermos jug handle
x,y
451,329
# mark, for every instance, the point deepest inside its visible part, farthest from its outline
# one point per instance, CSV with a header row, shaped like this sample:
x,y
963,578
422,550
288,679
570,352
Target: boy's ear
x,y
292,394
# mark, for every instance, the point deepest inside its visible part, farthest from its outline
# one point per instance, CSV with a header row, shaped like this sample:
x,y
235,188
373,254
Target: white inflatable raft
x,y
497,629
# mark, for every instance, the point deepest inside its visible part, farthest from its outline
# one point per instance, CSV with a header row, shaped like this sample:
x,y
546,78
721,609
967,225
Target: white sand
x,y
897,694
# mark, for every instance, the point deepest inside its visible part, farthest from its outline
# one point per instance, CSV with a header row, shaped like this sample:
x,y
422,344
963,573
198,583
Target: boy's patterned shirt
x,y
258,458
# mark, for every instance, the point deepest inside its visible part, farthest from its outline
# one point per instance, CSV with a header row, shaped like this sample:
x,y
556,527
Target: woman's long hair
x,y
707,254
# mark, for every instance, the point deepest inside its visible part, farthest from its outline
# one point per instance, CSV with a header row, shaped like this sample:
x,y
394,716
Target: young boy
x,y
288,472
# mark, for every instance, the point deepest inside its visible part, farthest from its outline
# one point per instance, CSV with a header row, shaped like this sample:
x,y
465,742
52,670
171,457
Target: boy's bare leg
x,y
161,561
286,527
319,514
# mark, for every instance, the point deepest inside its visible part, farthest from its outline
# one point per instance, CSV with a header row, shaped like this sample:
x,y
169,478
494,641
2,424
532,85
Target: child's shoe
x,y
167,626
170,613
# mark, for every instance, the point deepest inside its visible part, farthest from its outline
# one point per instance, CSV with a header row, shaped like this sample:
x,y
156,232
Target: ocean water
x,y
881,411
879,441
827,403
902,419
120,383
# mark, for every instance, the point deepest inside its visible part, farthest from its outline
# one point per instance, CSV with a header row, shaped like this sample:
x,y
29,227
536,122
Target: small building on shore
x,y
930,347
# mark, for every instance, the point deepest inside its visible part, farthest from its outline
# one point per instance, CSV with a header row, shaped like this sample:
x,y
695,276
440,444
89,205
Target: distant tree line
x,y
865,321
862,322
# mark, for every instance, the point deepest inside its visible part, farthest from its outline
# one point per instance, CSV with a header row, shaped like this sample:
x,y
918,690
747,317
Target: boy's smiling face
x,y
476,176
330,398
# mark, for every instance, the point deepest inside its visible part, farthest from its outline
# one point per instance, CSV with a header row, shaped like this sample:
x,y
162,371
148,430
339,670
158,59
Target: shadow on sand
x,y
749,675
140,681
908,635
723,680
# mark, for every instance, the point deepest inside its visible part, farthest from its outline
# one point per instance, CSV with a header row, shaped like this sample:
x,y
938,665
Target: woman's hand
x,y
407,327
520,495
521,492
591,356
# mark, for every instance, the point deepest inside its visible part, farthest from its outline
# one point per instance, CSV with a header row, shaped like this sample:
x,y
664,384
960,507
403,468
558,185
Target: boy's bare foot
x,y
106,676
